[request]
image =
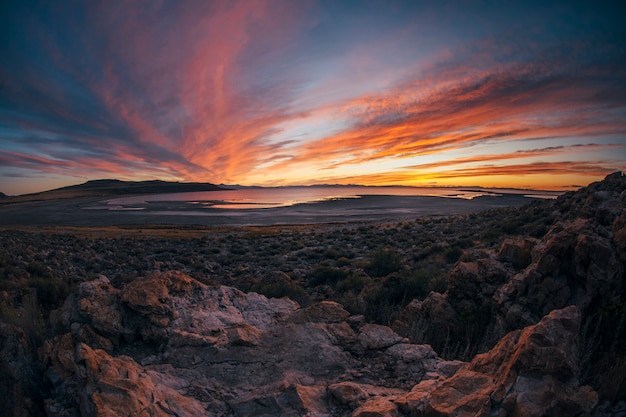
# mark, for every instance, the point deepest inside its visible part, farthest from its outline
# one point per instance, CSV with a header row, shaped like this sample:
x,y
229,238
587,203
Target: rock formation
x,y
579,262
169,345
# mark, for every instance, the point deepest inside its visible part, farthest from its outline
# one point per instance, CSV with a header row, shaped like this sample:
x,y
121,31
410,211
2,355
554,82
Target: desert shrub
x,y
343,261
327,275
386,299
453,254
474,322
5,259
284,288
352,302
6,306
332,253
611,384
464,243
435,248
354,283
238,250
38,269
438,283
51,292
27,315
537,230
384,261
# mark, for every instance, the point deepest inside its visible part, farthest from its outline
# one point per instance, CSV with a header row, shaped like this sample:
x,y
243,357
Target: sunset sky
x,y
493,93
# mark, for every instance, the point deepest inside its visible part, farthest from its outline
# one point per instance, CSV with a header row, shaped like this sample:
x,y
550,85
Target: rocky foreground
x,y
538,321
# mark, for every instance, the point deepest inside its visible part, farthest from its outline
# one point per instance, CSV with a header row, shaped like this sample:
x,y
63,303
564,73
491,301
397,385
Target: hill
x,y
112,187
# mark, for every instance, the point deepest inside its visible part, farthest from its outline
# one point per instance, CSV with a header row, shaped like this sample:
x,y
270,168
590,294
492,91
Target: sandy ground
x,y
92,212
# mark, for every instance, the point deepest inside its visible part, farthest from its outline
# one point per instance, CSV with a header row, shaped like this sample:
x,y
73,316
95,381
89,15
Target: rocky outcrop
x,y
580,262
169,345
576,264
530,372
517,252
103,385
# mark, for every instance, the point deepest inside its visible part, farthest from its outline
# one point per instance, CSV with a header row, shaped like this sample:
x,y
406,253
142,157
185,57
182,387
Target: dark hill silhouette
x,y
116,187
113,187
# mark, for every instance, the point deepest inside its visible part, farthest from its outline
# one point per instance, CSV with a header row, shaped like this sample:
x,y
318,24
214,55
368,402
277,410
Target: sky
x,y
282,92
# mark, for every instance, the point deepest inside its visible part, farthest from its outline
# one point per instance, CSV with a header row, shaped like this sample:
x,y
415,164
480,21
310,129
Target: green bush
x,y
322,275
453,254
38,269
354,282
343,261
392,294
51,292
290,289
384,261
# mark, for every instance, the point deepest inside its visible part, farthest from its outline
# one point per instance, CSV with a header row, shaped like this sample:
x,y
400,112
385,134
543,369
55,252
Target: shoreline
x,y
371,208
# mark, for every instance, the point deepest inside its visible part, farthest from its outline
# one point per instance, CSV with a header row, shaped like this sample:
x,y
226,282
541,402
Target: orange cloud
x,y
515,104
542,175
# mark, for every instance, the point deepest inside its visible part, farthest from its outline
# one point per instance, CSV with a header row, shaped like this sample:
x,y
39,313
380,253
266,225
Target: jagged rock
x,y
429,321
322,312
517,252
473,283
243,335
110,386
575,264
97,304
376,337
580,261
531,372
120,386
310,400
377,407
619,230
413,403
227,351
349,393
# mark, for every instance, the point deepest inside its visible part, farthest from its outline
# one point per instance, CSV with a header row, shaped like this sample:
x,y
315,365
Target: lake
x,y
267,198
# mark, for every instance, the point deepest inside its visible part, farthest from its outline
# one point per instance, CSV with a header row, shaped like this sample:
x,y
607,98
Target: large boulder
x,y
576,264
518,252
116,386
530,372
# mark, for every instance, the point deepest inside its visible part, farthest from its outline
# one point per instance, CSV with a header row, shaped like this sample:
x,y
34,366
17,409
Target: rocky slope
x,y
169,345
537,321
579,262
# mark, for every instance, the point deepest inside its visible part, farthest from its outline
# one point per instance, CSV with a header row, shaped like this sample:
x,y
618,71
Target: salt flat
x,y
93,211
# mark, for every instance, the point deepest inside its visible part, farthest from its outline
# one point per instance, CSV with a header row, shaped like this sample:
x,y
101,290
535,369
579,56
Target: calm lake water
x,y
261,198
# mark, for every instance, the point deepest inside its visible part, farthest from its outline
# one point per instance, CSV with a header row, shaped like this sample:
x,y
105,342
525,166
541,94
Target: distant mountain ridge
x,y
113,187
3,195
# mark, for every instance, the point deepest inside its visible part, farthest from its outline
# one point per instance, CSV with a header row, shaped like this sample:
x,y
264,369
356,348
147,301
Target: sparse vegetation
x,y
344,260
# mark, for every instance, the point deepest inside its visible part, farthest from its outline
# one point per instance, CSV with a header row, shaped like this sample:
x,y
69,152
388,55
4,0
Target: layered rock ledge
x,y
169,345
